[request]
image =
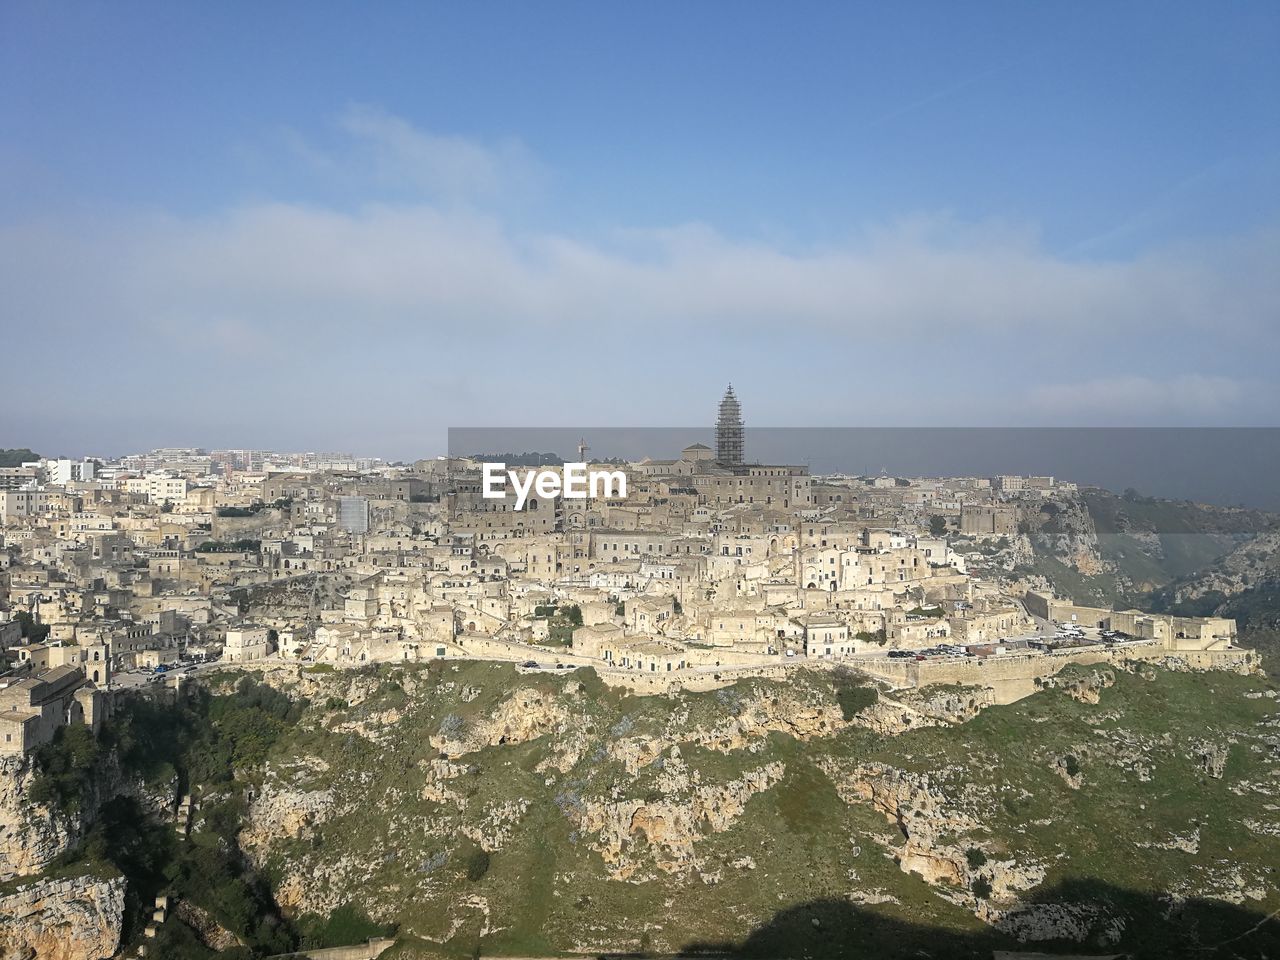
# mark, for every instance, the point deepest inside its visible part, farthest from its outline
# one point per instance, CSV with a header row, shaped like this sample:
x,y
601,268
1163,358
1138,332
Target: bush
x,y
347,924
32,630
477,865
852,693
975,858
982,888
66,765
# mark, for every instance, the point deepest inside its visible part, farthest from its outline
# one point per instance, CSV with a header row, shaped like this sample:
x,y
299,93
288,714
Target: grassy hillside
x,y
478,811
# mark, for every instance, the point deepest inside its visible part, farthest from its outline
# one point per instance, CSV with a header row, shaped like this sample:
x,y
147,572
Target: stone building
x,y
32,709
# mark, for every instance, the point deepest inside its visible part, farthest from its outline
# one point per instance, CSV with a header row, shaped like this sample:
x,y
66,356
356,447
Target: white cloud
x,y
440,165
272,264
416,276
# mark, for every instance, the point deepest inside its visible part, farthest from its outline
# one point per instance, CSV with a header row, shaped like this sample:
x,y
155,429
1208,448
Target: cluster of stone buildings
x,y
709,561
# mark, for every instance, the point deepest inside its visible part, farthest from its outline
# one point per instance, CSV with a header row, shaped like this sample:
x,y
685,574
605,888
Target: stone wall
x,y
360,951
1013,676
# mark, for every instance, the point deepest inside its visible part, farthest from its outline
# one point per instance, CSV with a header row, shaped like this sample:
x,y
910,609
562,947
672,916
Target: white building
x,y
63,472
246,643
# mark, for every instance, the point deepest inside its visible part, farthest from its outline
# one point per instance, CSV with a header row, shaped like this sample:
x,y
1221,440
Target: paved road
x,y
132,679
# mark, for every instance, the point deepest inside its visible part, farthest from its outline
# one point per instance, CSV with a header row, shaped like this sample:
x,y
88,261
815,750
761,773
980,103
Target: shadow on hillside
x,y
1115,922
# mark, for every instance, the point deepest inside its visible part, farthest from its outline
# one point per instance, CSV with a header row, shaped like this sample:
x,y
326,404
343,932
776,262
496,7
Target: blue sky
x,y
338,225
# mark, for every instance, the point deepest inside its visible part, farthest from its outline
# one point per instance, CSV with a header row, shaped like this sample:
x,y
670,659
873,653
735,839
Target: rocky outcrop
x,y
1252,564
1074,922
1212,757
31,835
759,715
278,812
1063,527
929,707
630,833
920,812
1068,768
75,919
927,821
211,933
1086,686
526,715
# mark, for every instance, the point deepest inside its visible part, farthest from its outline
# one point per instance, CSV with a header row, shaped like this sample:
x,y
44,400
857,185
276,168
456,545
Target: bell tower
x,y
729,430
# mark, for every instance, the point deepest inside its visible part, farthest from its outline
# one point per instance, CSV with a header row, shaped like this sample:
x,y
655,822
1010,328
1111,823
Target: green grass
x,y
394,855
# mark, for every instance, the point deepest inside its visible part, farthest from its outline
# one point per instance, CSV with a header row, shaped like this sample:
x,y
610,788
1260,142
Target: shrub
x,y
477,865
852,693
66,765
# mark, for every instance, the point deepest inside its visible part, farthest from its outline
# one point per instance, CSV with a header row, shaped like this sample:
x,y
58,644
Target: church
x,y
723,476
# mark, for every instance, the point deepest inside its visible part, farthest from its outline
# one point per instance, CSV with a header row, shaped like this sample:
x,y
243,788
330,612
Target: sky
x,y
342,226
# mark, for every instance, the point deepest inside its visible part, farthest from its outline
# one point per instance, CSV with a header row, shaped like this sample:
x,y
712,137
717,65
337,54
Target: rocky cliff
x,y
31,834
69,919
475,806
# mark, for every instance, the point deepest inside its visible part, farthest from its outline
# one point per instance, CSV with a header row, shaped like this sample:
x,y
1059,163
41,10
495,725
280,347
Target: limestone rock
x,y
1212,757
75,919
526,715
31,835
632,832
211,933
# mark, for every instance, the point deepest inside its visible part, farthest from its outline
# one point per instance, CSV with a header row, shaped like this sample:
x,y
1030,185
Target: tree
x,y
33,631
937,525
66,766
17,456
477,865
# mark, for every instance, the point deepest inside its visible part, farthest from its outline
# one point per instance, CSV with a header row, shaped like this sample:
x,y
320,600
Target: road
x,y
132,679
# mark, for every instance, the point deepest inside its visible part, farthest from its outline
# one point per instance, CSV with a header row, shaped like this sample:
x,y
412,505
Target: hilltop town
x,y
251,670
708,569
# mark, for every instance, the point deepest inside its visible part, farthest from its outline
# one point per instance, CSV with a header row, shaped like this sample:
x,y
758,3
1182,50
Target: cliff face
x,y
48,918
75,919
31,835
629,834
1099,547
